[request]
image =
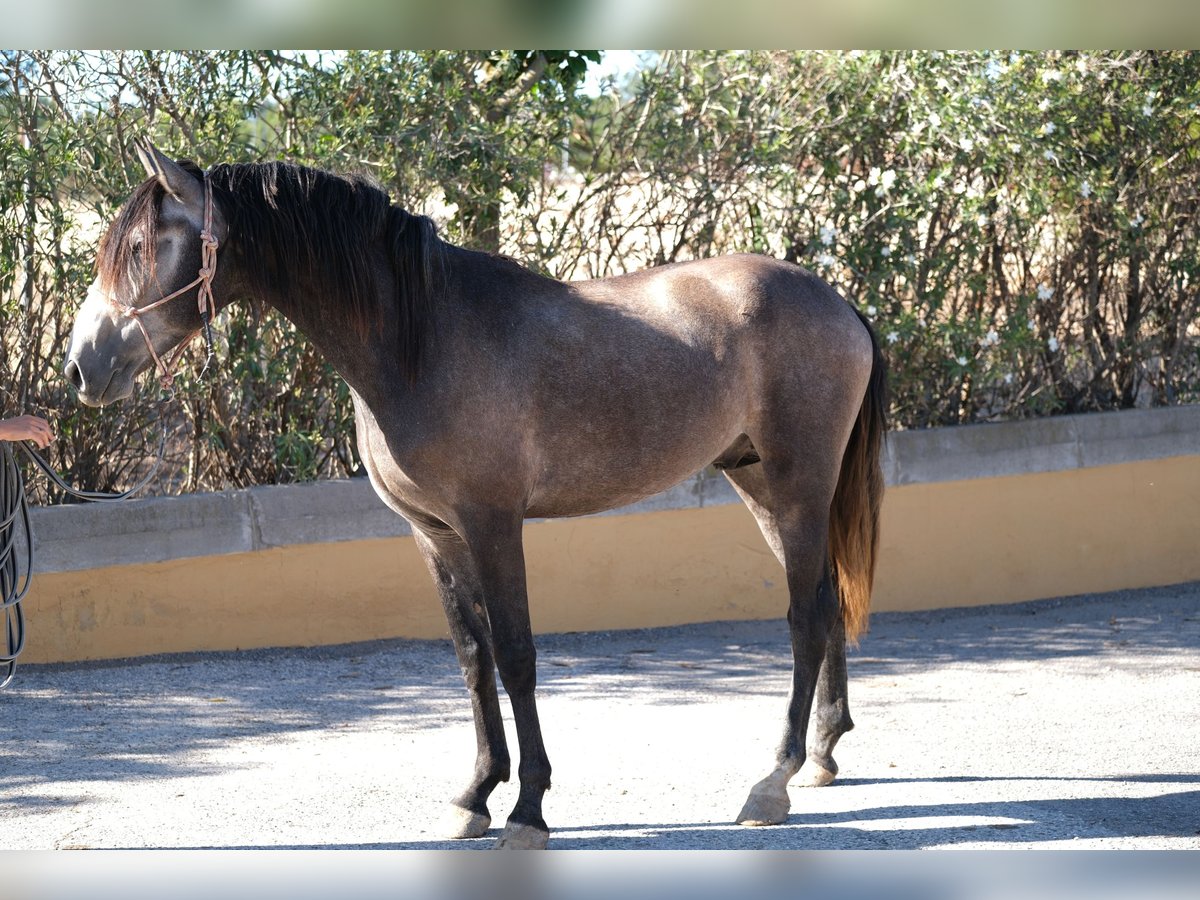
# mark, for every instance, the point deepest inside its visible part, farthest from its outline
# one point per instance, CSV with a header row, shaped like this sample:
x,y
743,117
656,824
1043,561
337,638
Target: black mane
x,y
307,236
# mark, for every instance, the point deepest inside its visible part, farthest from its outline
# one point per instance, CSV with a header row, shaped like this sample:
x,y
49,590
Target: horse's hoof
x,y
816,775
462,823
766,805
522,837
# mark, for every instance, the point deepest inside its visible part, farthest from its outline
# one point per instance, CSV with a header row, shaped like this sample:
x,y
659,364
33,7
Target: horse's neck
x,y
362,360
476,286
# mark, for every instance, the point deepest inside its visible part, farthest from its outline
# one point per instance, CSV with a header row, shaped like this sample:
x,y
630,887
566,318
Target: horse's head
x,y
153,281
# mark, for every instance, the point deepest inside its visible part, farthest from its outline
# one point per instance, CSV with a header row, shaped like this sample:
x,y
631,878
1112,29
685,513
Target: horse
x,y
486,393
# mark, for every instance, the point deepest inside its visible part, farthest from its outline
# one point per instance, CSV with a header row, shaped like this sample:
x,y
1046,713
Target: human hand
x,y
26,428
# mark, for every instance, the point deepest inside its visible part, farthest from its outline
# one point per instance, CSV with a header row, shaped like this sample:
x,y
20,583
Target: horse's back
x,y
740,292
750,314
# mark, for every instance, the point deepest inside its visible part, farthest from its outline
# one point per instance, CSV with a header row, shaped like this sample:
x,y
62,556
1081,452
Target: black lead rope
x,y
13,583
16,569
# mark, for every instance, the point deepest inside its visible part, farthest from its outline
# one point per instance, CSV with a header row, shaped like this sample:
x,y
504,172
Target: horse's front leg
x,y
457,583
495,539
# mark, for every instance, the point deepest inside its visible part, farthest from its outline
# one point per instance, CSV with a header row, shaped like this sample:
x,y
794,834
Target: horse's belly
x,y
602,482
565,504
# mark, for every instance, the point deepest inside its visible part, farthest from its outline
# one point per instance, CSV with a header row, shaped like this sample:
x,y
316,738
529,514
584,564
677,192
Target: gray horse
x,y
485,394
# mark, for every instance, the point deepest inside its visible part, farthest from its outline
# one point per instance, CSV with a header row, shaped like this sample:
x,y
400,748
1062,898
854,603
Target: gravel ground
x,y
1066,723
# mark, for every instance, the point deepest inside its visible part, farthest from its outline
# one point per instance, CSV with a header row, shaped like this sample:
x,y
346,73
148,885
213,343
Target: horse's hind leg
x,y
794,521
458,586
831,710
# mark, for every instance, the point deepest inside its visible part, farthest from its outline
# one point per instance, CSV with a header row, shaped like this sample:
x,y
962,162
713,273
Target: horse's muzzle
x,y
97,386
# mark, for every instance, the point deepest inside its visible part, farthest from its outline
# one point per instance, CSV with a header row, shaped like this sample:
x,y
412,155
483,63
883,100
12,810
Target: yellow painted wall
x,y
955,543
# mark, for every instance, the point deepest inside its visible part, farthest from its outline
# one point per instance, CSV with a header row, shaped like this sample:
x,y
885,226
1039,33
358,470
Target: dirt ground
x,y
1059,724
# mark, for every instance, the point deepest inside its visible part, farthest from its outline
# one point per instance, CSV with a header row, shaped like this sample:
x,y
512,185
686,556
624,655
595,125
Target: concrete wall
x,y
975,514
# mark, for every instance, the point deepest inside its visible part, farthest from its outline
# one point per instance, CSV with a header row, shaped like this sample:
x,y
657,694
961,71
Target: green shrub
x,y
1021,227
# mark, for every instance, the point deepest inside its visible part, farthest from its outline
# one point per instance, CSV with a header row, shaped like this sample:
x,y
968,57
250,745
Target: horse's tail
x,y
854,514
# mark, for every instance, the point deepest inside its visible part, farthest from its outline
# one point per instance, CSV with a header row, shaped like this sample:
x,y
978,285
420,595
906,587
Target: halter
x,y
204,300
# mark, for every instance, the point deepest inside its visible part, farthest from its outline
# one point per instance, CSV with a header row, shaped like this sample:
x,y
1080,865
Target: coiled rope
x,y
16,568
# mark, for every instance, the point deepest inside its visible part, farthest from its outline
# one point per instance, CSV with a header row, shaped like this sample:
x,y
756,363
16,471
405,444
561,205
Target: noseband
x,y
204,299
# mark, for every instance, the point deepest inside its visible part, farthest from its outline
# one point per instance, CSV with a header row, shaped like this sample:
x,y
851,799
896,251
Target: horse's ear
x,y
177,182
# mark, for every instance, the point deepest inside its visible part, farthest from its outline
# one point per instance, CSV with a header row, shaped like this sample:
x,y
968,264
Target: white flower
x,y
1050,156
1081,65
991,338
873,176
1050,75
1085,189
1137,221
1008,378
994,70
1014,147
1044,105
886,180
885,251
826,259
1052,344
934,120
961,360
911,259
1045,292
943,84
1048,128
871,310
983,220
828,233
1032,325
893,336
1147,109
967,144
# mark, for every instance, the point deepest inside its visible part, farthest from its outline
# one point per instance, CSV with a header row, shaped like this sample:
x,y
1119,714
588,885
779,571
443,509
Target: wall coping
x,y
87,536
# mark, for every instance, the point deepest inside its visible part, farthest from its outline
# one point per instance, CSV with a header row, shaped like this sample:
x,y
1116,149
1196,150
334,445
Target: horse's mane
x,y
309,236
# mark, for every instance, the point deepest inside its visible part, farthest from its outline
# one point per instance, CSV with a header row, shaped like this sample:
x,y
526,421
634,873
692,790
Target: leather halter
x,y
204,299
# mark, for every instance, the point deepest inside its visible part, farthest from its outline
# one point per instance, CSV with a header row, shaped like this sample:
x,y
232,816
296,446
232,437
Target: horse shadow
x,y
1172,814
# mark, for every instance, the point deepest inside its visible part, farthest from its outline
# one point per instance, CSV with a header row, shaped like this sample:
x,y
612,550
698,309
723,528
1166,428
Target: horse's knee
x,y
476,665
518,668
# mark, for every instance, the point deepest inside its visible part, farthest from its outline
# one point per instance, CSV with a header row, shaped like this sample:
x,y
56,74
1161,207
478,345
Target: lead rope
x,y
12,586
16,569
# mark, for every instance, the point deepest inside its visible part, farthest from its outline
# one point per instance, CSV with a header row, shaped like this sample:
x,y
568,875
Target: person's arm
x,y
26,428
